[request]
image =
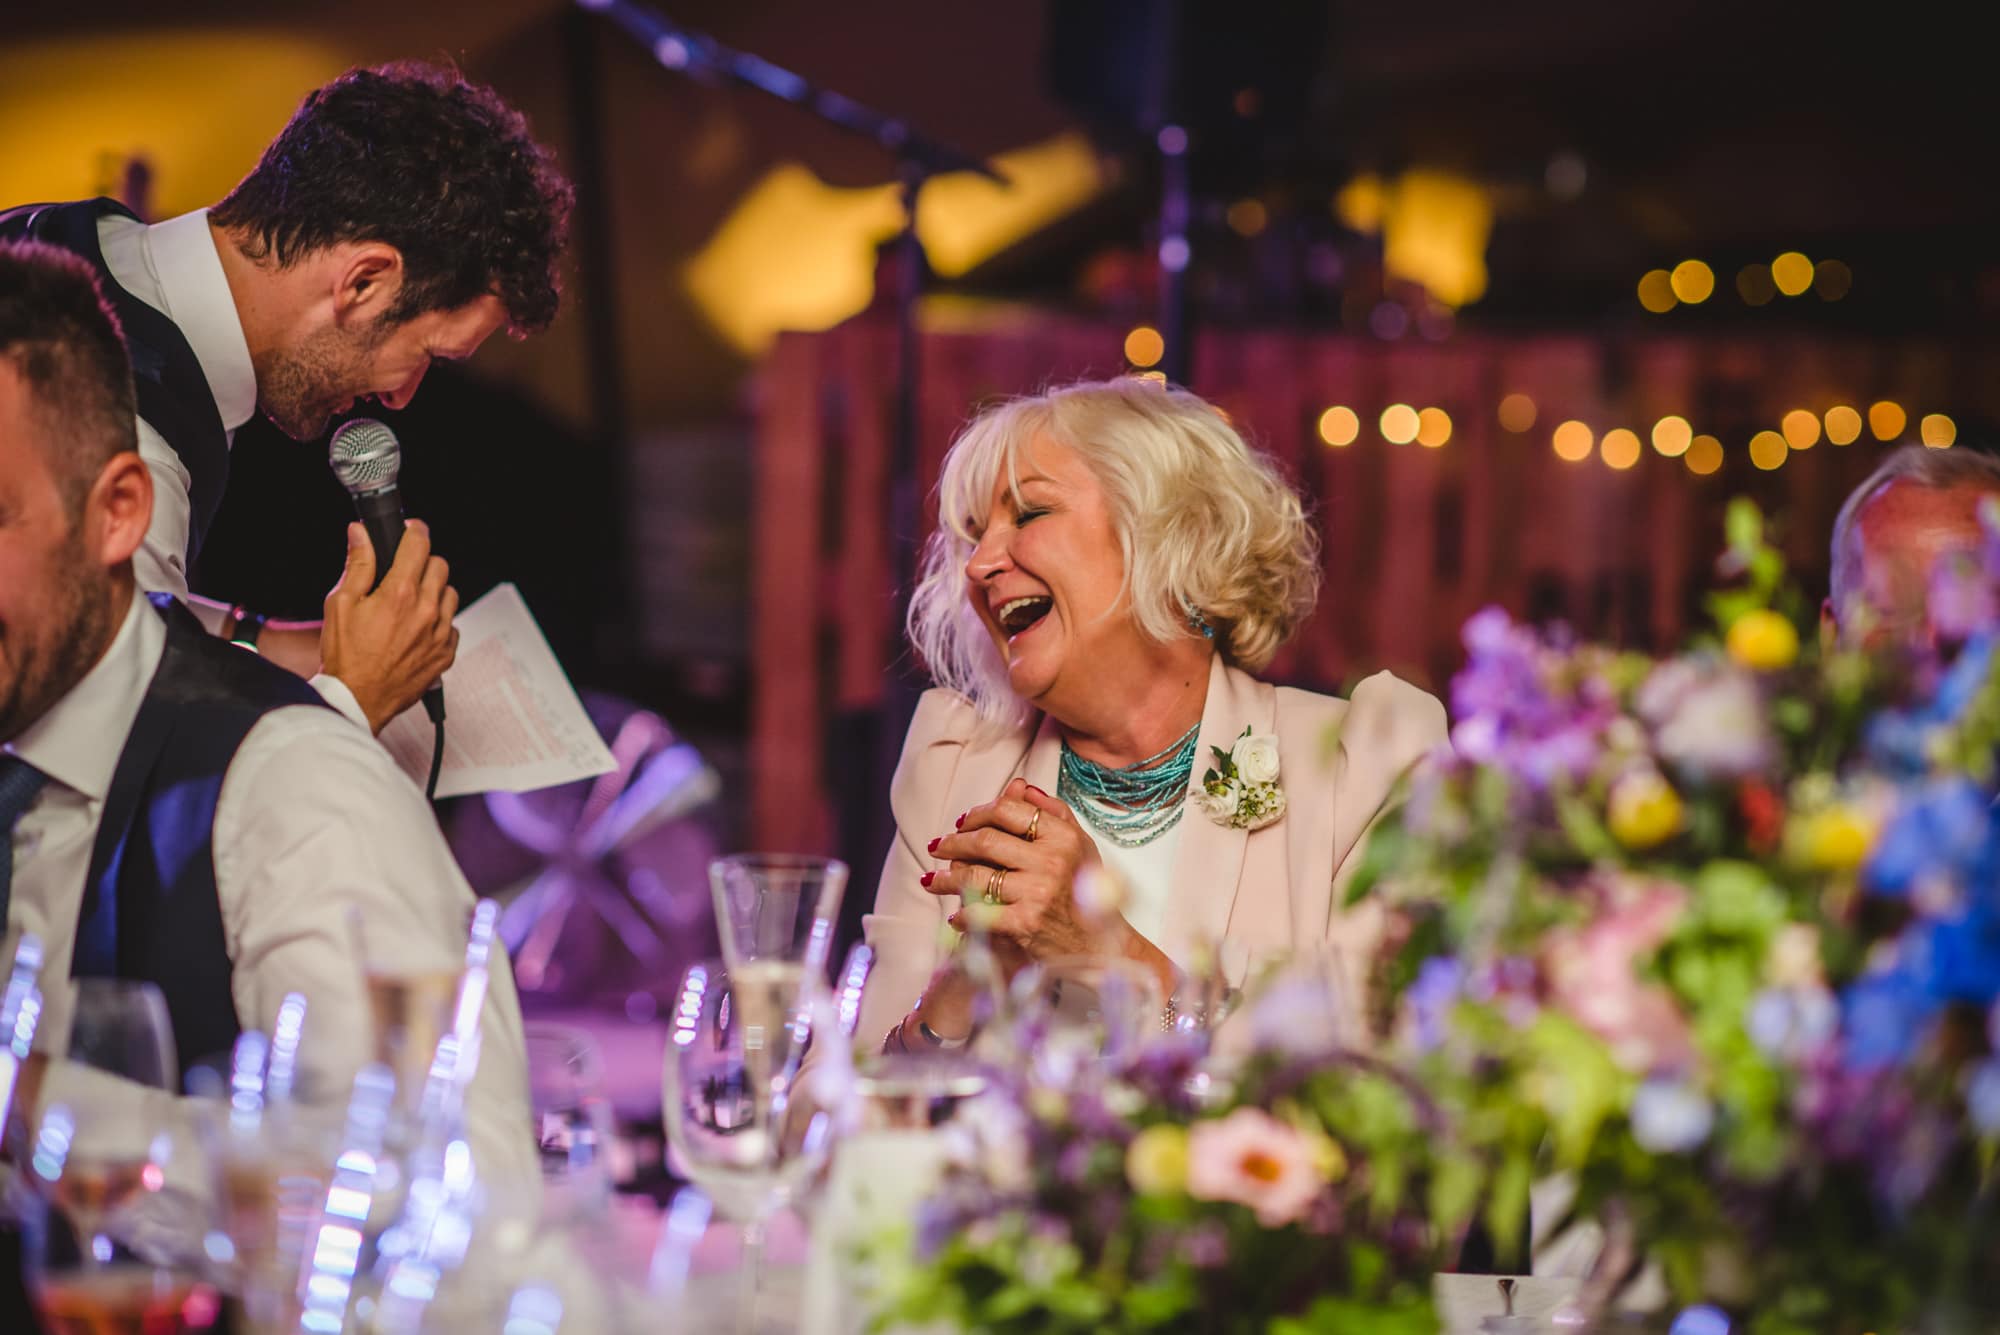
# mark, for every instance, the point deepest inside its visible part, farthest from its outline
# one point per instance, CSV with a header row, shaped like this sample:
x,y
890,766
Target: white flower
x,y
1220,802
1669,1117
1256,758
1270,804
1709,719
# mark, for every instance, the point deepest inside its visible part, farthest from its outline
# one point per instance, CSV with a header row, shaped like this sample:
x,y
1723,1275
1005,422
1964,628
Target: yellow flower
x,y
1763,641
1327,1155
1156,1162
1834,838
1645,810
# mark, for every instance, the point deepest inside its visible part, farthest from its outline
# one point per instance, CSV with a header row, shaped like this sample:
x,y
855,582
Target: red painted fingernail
x,y
960,822
933,845
1033,789
927,877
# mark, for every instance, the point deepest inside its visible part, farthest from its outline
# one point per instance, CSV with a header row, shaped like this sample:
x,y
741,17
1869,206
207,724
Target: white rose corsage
x,y
1242,790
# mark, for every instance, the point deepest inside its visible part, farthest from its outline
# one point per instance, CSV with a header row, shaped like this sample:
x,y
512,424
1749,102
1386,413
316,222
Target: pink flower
x,y
1593,978
1253,1159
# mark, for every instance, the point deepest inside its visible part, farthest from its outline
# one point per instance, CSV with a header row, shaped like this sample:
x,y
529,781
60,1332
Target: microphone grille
x,y
365,455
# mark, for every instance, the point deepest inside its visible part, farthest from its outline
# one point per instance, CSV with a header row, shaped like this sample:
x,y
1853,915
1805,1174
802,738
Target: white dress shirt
x,y
173,267
315,829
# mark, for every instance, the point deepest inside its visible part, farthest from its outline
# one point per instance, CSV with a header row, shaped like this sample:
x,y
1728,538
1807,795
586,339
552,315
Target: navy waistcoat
x,y
174,396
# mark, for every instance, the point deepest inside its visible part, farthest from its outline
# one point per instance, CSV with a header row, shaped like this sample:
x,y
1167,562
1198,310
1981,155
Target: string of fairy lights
x,y
1672,437
1620,448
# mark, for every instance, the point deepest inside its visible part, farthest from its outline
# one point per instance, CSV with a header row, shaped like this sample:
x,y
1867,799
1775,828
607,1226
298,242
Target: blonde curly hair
x,y
1205,523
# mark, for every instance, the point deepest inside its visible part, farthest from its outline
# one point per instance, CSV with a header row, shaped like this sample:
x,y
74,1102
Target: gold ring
x,y
993,884
1034,823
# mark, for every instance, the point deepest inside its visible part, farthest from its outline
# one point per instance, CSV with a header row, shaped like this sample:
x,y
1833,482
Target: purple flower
x,y
1982,1096
1793,1022
1439,984
1206,1246
1525,706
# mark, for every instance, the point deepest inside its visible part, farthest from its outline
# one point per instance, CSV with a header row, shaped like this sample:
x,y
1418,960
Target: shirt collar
x,y
198,300
78,742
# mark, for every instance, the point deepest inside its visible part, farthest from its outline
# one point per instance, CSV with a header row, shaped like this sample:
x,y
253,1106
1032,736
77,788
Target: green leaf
x,y
1743,526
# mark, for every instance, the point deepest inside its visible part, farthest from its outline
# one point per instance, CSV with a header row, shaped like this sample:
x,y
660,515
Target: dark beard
x,y
86,590
302,388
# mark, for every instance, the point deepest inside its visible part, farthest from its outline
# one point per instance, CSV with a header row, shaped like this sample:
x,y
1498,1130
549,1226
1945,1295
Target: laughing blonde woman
x,y
1112,565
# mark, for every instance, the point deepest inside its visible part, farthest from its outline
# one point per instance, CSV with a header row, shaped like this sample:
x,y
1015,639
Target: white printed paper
x,y
512,721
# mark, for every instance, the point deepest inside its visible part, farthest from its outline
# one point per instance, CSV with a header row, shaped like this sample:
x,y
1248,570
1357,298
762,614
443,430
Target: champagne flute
x,y
720,1130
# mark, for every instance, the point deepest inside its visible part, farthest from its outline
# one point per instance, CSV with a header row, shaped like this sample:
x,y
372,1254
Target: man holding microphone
x,y
401,217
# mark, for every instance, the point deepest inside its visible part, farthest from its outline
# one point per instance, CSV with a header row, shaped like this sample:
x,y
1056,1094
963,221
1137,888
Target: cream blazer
x,y
1255,895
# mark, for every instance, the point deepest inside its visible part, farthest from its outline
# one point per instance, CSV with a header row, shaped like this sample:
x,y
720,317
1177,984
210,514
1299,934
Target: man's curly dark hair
x,y
420,158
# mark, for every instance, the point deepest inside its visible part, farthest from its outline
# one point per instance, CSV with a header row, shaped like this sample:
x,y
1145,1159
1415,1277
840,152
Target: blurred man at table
x,y
178,810
1893,535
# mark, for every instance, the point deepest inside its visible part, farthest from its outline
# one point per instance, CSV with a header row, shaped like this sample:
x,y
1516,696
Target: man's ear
x,y
119,509
367,275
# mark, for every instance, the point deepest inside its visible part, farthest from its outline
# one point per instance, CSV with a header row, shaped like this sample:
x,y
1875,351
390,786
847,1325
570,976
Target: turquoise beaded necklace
x,y
1135,804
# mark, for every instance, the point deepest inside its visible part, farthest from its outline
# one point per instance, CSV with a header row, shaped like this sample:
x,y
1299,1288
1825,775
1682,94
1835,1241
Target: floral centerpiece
x,y
1719,935
1301,1195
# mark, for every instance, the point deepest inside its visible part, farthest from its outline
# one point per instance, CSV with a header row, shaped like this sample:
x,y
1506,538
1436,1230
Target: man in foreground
x,y
179,811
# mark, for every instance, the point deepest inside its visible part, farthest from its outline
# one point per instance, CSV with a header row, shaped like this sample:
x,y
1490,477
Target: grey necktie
x,y
19,782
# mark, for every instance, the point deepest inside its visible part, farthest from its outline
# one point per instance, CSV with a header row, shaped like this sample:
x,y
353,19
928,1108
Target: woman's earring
x,y
1197,622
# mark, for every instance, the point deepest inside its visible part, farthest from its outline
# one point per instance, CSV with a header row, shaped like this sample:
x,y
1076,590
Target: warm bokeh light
x,y
73,109
1792,273
1248,217
1693,282
1832,279
1362,204
1768,450
1433,427
1672,435
966,220
797,253
1156,378
1433,224
1800,428
1937,431
1517,412
1399,424
1144,346
1573,441
1339,425
1656,291
1887,419
1619,448
1754,285
1704,456
1843,425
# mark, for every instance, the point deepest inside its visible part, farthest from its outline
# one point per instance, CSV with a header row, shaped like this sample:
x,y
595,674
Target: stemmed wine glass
x,y
574,1125
104,1141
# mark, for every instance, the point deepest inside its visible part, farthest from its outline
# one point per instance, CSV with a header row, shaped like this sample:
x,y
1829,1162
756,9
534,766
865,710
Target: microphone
x,y
367,457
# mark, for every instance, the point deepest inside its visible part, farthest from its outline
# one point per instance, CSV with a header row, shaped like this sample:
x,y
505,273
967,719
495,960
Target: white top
x,y
174,268
1148,873
313,823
